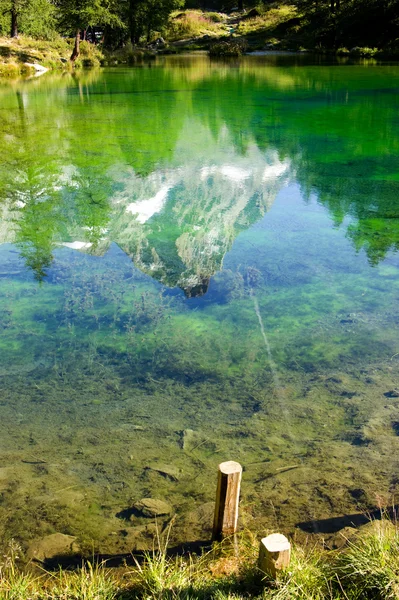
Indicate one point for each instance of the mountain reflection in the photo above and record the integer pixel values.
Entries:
(171, 163)
(177, 225)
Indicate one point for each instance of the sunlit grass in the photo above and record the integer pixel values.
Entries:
(25, 49)
(194, 23)
(90, 582)
(369, 566)
(14, 583)
(267, 20)
(366, 568)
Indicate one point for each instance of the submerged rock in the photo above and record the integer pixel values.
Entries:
(185, 436)
(51, 546)
(136, 539)
(151, 507)
(392, 394)
(197, 524)
(359, 494)
(202, 516)
(341, 538)
(358, 439)
(190, 439)
(167, 471)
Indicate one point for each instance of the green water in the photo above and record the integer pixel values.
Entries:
(197, 264)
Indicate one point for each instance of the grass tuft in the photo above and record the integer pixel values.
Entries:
(15, 584)
(90, 55)
(367, 568)
(90, 582)
(305, 578)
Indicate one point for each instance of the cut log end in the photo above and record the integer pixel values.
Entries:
(276, 542)
(229, 467)
(274, 554)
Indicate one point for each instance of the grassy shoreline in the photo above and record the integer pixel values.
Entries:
(17, 56)
(366, 566)
(277, 27)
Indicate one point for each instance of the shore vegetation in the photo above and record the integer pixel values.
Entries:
(366, 567)
(353, 27)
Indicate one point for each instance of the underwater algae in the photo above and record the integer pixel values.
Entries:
(136, 275)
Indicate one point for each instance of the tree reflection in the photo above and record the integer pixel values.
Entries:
(83, 156)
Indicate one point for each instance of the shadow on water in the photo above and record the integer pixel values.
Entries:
(322, 526)
(335, 524)
(120, 560)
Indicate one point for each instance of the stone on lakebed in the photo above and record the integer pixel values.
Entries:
(167, 471)
(151, 507)
(51, 546)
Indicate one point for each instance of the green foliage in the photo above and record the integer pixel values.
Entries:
(227, 48)
(4, 23)
(33, 17)
(90, 55)
(14, 583)
(306, 577)
(368, 52)
(366, 24)
(147, 16)
(90, 582)
(38, 20)
(160, 576)
(17, 51)
(14, 70)
(214, 17)
(80, 14)
(127, 54)
(363, 26)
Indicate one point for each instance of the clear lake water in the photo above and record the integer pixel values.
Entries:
(198, 263)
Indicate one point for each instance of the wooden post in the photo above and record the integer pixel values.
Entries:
(227, 497)
(274, 554)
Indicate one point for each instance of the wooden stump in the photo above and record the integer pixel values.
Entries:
(274, 554)
(227, 498)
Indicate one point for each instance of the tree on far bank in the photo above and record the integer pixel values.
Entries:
(33, 17)
(147, 16)
(78, 15)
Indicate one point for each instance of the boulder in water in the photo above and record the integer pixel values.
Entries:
(51, 546)
(152, 507)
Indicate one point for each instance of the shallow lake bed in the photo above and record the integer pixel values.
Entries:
(198, 263)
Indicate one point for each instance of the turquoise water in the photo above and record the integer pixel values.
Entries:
(197, 264)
